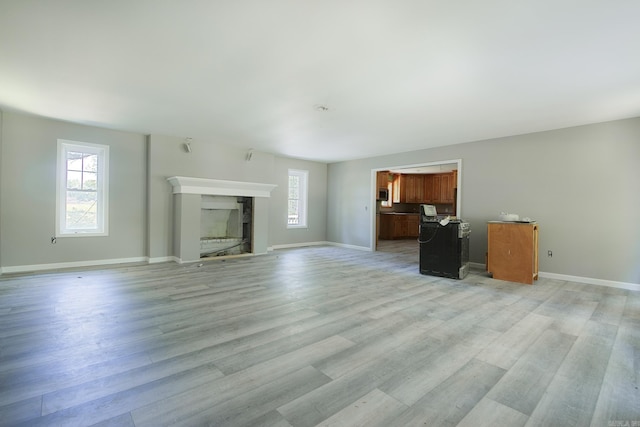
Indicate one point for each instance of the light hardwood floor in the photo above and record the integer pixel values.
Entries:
(314, 336)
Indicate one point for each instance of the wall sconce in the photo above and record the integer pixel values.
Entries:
(187, 145)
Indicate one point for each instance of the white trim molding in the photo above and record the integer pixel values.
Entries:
(219, 187)
(591, 281)
(320, 243)
(75, 264)
(576, 279)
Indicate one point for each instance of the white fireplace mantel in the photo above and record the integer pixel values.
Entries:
(219, 187)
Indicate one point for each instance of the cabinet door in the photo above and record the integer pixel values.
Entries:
(402, 189)
(382, 179)
(427, 189)
(386, 227)
(399, 226)
(415, 189)
(413, 226)
(512, 250)
(446, 188)
(437, 183)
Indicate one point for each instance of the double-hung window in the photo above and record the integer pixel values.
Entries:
(82, 189)
(298, 188)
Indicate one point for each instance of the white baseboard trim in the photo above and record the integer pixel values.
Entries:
(591, 281)
(343, 245)
(323, 243)
(578, 279)
(477, 266)
(75, 264)
(296, 245)
(160, 259)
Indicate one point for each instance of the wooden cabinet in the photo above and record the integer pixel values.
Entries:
(413, 225)
(399, 226)
(446, 188)
(439, 188)
(412, 189)
(430, 188)
(513, 251)
(382, 179)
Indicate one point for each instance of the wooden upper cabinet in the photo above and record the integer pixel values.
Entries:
(439, 188)
(429, 188)
(382, 179)
(411, 188)
(446, 188)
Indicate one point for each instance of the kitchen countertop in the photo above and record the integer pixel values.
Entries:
(399, 213)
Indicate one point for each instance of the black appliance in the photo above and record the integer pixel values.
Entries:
(444, 247)
(383, 195)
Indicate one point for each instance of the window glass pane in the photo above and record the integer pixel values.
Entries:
(74, 161)
(74, 180)
(293, 217)
(89, 181)
(90, 163)
(294, 187)
(81, 210)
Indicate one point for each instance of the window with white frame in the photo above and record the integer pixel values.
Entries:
(298, 188)
(82, 189)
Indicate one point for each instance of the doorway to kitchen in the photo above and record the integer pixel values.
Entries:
(398, 192)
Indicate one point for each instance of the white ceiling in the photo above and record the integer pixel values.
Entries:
(395, 75)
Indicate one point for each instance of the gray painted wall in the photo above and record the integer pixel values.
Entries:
(28, 192)
(317, 204)
(1, 134)
(581, 184)
(140, 204)
(221, 161)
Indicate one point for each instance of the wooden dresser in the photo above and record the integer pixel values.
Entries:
(513, 251)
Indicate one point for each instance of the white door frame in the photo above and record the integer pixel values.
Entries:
(374, 192)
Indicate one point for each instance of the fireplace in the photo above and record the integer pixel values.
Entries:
(225, 225)
(213, 218)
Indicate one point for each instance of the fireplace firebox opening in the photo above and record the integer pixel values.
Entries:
(225, 225)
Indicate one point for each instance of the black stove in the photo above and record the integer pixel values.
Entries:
(444, 247)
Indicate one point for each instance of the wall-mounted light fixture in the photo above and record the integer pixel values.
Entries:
(187, 145)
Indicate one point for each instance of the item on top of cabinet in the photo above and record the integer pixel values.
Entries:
(509, 217)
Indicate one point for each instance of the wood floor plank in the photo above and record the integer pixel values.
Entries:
(265, 398)
(524, 384)
(412, 386)
(449, 402)
(506, 350)
(619, 398)
(199, 399)
(373, 409)
(574, 391)
(489, 413)
(305, 336)
(20, 411)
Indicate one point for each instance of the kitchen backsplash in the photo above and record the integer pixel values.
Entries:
(442, 209)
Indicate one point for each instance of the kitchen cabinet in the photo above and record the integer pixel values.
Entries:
(439, 188)
(382, 179)
(413, 225)
(513, 251)
(412, 189)
(426, 188)
(399, 226)
(446, 188)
